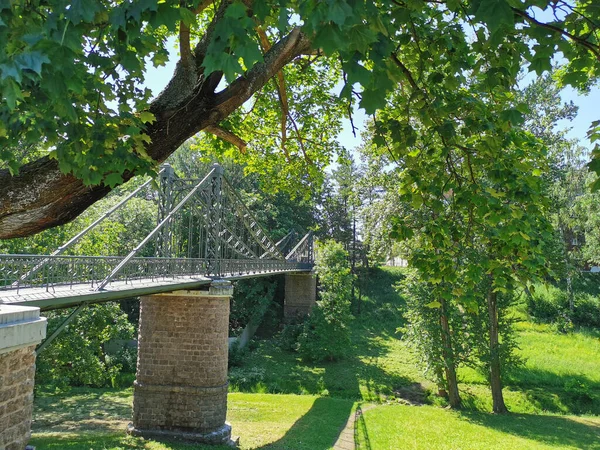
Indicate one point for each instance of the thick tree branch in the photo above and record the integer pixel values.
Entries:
(227, 136)
(41, 197)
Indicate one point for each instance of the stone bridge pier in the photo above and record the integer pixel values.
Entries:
(300, 294)
(180, 390)
(21, 329)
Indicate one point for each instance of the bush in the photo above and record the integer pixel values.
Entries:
(551, 304)
(77, 357)
(326, 335)
(252, 301)
(586, 310)
(289, 335)
(236, 354)
(546, 303)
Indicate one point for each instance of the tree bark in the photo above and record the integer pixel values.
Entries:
(449, 360)
(41, 197)
(498, 406)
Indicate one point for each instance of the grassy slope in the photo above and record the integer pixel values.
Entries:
(562, 375)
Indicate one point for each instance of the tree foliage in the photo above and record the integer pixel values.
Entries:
(326, 335)
(71, 79)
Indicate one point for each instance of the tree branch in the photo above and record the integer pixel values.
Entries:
(42, 197)
(591, 47)
(280, 84)
(227, 136)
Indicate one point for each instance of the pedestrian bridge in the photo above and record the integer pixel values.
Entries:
(204, 231)
(204, 237)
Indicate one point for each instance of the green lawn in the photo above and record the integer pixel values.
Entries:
(429, 427)
(560, 378)
(85, 419)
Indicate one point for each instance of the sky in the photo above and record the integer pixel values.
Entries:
(589, 106)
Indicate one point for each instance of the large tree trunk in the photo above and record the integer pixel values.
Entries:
(449, 360)
(41, 197)
(495, 370)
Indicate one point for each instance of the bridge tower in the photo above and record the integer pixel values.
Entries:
(181, 384)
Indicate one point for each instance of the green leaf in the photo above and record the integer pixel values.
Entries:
(82, 10)
(495, 14)
(32, 61)
(188, 17)
(10, 70)
(147, 117)
(113, 179)
(236, 10)
(339, 11)
(512, 115)
(12, 93)
(433, 304)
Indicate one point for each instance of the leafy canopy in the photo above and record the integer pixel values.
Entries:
(70, 72)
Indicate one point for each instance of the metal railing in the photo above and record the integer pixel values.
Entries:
(89, 271)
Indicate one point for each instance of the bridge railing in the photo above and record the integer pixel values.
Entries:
(82, 271)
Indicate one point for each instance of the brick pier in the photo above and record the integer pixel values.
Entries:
(180, 390)
(21, 329)
(300, 294)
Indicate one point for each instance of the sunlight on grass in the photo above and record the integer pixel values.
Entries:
(427, 427)
(261, 421)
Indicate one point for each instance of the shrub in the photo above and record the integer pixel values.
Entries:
(236, 354)
(551, 304)
(252, 301)
(77, 357)
(326, 335)
(546, 303)
(586, 311)
(289, 335)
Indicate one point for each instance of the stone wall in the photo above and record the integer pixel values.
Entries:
(21, 329)
(300, 294)
(181, 382)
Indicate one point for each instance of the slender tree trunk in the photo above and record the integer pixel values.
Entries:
(499, 407)
(449, 361)
(353, 260)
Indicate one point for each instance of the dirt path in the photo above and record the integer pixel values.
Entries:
(345, 440)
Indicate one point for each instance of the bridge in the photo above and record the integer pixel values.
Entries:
(204, 232)
(205, 237)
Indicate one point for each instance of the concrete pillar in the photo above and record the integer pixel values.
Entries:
(21, 329)
(180, 390)
(300, 294)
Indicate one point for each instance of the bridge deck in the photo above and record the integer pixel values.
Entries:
(64, 296)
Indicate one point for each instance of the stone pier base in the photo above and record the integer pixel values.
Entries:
(180, 390)
(300, 294)
(21, 329)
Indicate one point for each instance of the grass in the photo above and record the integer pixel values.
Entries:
(72, 421)
(428, 427)
(281, 402)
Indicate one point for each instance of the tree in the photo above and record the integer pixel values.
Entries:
(71, 78)
(326, 334)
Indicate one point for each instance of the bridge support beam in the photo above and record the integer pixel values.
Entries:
(180, 390)
(21, 329)
(300, 294)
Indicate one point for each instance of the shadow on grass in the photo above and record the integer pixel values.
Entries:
(319, 428)
(87, 441)
(556, 393)
(101, 410)
(550, 430)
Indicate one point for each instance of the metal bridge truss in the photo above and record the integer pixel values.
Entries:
(203, 229)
